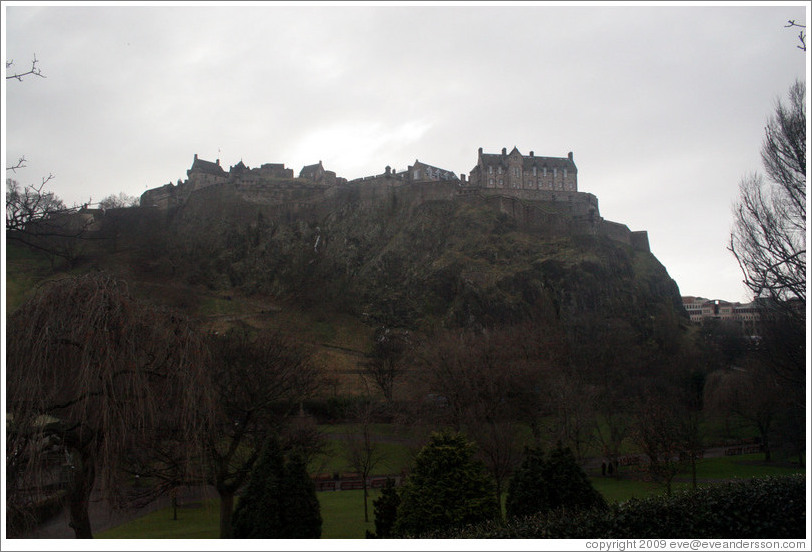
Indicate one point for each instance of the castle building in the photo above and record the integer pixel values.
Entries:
(205, 173)
(514, 171)
(422, 172)
(317, 174)
(274, 170)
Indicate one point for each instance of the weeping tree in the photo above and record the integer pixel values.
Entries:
(94, 375)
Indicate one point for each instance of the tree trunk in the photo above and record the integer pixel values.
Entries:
(226, 513)
(766, 443)
(84, 475)
(366, 513)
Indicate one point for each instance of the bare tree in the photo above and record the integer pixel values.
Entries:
(386, 364)
(769, 232)
(662, 434)
(40, 220)
(753, 394)
(363, 452)
(488, 383)
(94, 373)
(573, 400)
(769, 240)
(118, 201)
(259, 381)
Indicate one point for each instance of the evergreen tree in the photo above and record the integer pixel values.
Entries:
(301, 513)
(446, 488)
(386, 510)
(259, 512)
(280, 500)
(546, 483)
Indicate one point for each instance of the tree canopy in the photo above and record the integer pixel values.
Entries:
(446, 488)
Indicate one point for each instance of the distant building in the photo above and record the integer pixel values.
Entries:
(514, 171)
(422, 172)
(205, 173)
(274, 170)
(746, 315)
(317, 174)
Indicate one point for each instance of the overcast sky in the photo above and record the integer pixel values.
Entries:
(663, 106)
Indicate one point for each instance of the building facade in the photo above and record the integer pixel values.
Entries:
(514, 171)
(746, 315)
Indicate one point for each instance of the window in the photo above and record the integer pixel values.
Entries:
(500, 183)
(500, 170)
(490, 170)
(515, 171)
(565, 173)
(490, 182)
(534, 171)
(545, 171)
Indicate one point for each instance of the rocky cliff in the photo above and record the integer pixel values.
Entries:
(439, 259)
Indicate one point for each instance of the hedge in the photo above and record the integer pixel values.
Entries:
(758, 508)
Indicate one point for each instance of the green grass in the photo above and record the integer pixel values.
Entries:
(25, 269)
(343, 511)
(741, 467)
(394, 457)
(201, 522)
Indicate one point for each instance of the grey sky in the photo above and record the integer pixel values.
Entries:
(663, 106)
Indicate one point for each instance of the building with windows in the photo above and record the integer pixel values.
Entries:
(745, 315)
(514, 171)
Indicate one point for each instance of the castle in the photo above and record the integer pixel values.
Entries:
(538, 192)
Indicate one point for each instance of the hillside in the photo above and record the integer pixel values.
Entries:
(338, 270)
(439, 262)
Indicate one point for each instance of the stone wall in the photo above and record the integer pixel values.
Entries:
(548, 211)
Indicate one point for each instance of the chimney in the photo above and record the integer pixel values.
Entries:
(218, 162)
(570, 155)
(531, 154)
(504, 151)
(463, 177)
(480, 151)
(195, 157)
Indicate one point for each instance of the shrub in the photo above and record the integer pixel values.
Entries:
(758, 508)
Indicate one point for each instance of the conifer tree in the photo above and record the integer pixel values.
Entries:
(300, 512)
(259, 512)
(546, 483)
(447, 488)
(386, 510)
(280, 500)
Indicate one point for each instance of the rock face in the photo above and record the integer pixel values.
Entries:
(420, 256)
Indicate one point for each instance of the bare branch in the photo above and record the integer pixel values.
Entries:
(801, 35)
(20, 164)
(35, 71)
